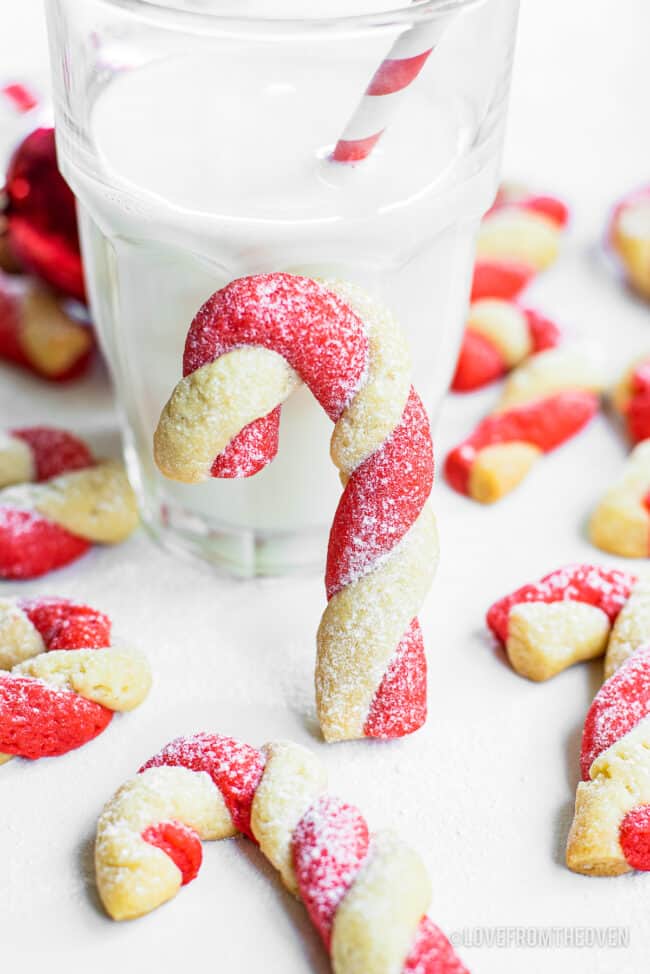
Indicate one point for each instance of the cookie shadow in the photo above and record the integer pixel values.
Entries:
(86, 864)
(313, 950)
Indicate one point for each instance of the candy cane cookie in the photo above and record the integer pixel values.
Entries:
(38, 334)
(545, 402)
(629, 238)
(620, 523)
(519, 236)
(499, 335)
(565, 617)
(60, 501)
(366, 894)
(610, 832)
(246, 350)
(64, 680)
(41, 215)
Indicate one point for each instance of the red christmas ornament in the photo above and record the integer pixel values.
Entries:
(41, 216)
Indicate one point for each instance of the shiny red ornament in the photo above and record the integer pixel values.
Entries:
(41, 215)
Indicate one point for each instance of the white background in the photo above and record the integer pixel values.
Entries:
(485, 791)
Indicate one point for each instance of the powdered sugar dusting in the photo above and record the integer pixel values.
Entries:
(545, 423)
(235, 768)
(617, 708)
(329, 844)
(68, 625)
(400, 705)
(352, 356)
(382, 500)
(38, 720)
(606, 589)
(54, 451)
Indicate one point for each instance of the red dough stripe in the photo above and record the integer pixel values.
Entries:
(500, 279)
(638, 409)
(548, 206)
(607, 590)
(479, 362)
(180, 843)
(40, 721)
(617, 708)
(544, 333)
(67, 625)
(634, 836)
(545, 423)
(54, 451)
(41, 215)
(382, 499)
(235, 768)
(329, 845)
(36, 719)
(31, 546)
(399, 706)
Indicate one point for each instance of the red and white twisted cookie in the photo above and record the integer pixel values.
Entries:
(499, 335)
(629, 238)
(37, 333)
(620, 524)
(246, 350)
(564, 618)
(41, 216)
(545, 402)
(631, 399)
(366, 894)
(610, 833)
(60, 501)
(519, 237)
(65, 681)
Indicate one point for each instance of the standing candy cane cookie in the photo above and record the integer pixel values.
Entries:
(59, 502)
(610, 833)
(366, 894)
(519, 237)
(499, 335)
(246, 350)
(64, 681)
(620, 523)
(545, 402)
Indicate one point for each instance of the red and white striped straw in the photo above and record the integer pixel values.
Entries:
(395, 74)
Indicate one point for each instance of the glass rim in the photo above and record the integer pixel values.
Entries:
(407, 13)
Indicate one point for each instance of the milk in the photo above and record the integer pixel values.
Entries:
(208, 171)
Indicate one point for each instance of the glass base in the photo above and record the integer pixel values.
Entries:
(239, 552)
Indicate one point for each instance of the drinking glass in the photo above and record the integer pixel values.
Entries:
(199, 146)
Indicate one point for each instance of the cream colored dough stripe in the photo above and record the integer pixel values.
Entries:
(363, 625)
(375, 923)
(133, 876)
(292, 780)
(16, 460)
(19, 637)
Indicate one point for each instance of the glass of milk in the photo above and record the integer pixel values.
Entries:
(196, 135)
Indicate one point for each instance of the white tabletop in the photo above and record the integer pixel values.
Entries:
(485, 791)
